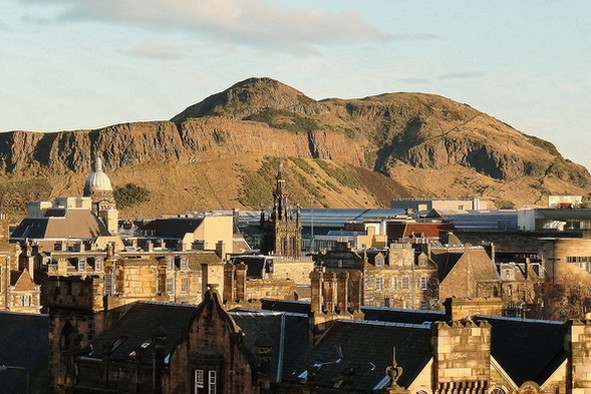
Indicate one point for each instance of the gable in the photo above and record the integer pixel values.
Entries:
(24, 282)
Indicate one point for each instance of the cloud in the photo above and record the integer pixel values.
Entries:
(150, 50)
(462, 75)
(255, 23)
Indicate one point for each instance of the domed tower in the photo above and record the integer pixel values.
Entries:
(98, 187)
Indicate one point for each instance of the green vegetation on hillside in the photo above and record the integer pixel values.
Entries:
(285, 120)
(257, 187)
(344, 176)
(130, 194)
(15, 195)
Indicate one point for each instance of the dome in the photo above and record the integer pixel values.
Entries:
(97, 181)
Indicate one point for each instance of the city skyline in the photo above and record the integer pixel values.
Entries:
(82, 64)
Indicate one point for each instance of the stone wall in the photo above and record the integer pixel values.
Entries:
(580, 357)
(296, 269)
(462, 356)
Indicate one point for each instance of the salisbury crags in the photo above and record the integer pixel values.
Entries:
(222, 153)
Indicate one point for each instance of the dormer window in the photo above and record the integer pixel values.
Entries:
(379, 260)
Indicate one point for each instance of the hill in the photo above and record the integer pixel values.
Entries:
(223, 153)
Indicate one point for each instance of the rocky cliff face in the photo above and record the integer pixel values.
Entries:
(392, 145)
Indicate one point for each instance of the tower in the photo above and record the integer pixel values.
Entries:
(281, 232)
(98, 188)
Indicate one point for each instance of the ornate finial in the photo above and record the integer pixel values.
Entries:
(394, 371)
(98, 165)
(281, 166)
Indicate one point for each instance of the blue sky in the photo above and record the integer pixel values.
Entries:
(69, 64)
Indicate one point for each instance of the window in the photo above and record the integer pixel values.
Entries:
(23, 300)
(405, 283)
(184, 263)
(170, 285)
(98, 265)
(184, 285)
(422, 260)
(379, 260)
(460, 207)
(109, 283)
(424, 283)
(424, 304)
(379, 284)
(394, 284)
(169, 263)
(507, 274)
(81, 264)
(199, 380)
(212, 382)
(497, 390)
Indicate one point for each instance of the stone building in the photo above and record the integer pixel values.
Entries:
(129, 276)
(281, 232)
(186, 232)
(18, 290)
(328, 345)
(395, 277)
(469, 272)
(561, 255)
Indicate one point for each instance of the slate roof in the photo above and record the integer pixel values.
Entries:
(137, 327)
(527, 349)
(445, 262)
(75, 223)
(286, 333)
(402, 315)
(255, 264)
(482, 267)
(285, 305)
(382, 314)
(171, 228)
(24, 343)
(345, 346)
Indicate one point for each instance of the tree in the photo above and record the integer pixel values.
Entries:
(567, 298)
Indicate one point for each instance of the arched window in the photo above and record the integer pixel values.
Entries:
(421, 392)
(497, 390)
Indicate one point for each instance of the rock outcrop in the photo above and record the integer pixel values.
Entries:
(412, 145)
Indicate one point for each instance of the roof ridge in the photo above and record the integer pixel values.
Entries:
(426, 325)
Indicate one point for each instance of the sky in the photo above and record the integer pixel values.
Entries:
(86, 64)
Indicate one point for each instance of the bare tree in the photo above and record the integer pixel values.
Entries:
(567, 298)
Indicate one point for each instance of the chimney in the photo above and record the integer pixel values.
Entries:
(316, 291)
(220, 249)
(342, 291)
(228, 294)
(527, 266)
(355, 292)
(241, 282)
(329, 293)
(492, 252)
(150, 246)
